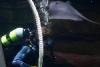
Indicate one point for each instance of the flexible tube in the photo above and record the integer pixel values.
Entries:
(39, 30)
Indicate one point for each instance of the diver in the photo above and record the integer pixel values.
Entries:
(29, 45)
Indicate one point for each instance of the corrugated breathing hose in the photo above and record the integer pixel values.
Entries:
(39, 30)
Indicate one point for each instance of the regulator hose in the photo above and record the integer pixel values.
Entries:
(39, 31)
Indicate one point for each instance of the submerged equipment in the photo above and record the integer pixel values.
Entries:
(18, 33)
(13, 36)
(39, 31)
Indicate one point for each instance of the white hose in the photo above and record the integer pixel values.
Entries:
(39, 30)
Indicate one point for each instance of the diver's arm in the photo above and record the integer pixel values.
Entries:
(18, 59)
(20, 63)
